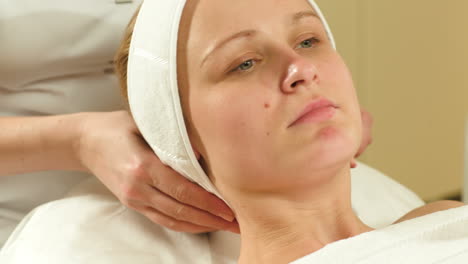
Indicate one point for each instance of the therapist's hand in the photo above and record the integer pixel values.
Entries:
(111, 148)
(367, 123)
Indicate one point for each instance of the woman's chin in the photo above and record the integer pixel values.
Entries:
(333, 147)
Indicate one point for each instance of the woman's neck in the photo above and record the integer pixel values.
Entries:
(283, 228)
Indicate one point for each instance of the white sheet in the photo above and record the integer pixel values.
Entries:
(90, 226)
(440, 237)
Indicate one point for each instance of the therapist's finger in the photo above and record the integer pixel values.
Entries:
(171, 223)
(179, 188)
(367, 123)
(183, 212)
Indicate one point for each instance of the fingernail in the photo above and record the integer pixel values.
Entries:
(234, 229)
(226, 217)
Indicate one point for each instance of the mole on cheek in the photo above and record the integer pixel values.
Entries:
(267, 105)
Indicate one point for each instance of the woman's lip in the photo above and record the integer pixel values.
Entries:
(318, 110)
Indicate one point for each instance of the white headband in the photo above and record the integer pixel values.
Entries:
(153, 90)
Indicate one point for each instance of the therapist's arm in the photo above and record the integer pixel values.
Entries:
(30, 144)
(109, 146)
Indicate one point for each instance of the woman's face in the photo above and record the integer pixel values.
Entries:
(247, 69)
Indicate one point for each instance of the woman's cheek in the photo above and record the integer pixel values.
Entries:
(217, 118)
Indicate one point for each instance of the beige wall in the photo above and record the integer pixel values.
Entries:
(410, 63)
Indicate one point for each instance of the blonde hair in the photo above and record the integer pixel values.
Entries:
(121, 58)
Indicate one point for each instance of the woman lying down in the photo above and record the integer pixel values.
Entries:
(270, 121)
(259, 108)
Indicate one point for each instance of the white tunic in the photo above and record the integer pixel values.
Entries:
(55, 58)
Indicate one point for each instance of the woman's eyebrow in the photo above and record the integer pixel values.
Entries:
(242, 34)
(295, 19)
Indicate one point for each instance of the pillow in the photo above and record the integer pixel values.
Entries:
(379, 200)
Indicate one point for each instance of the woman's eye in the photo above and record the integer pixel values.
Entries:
(244, 66)
(308, 43)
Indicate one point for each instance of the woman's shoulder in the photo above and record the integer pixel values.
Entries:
(429, 209)
(441, 226)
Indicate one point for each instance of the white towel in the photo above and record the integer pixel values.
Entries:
(153, 91)
(440, 237)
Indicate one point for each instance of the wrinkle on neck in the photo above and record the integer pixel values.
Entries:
(282, 228)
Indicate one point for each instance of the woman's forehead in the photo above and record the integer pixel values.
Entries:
(224, 15)
(211, 21)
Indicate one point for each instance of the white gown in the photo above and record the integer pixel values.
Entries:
(55, 58)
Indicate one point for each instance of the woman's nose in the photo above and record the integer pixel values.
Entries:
(300, 72)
